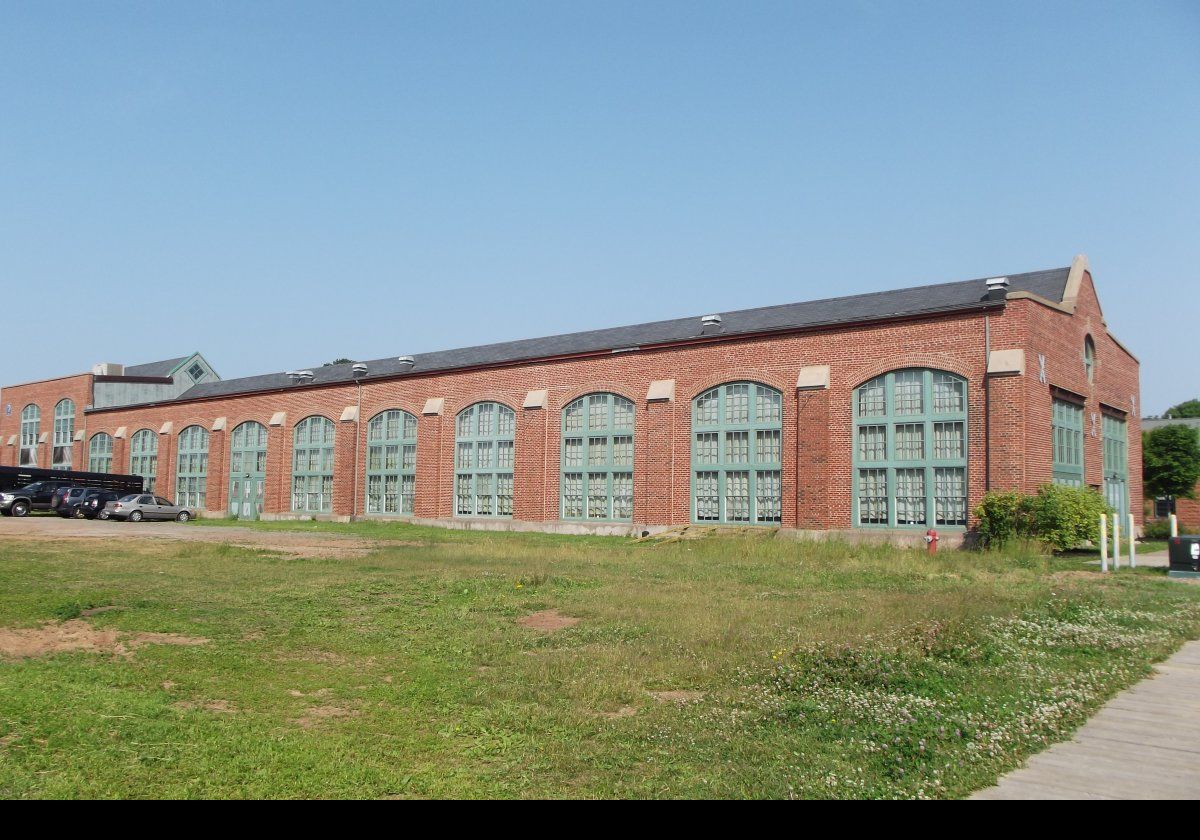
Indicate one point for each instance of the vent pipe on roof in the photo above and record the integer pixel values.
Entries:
(359, 370)
(406, 362)
(300, 377)
(997, 288)
(710, 322)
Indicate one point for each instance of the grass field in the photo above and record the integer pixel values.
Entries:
(744, 667)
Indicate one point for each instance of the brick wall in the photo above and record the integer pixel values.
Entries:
(46, 395)
(816, 433)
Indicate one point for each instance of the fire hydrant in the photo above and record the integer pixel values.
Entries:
(931, 539)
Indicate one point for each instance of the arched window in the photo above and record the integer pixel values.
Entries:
(1089, 358)
(483, 460)
(31, 430)
(910, 450)
(737, 434)
(247, 470)
(597, 458)
(100, 453)
(191, 476)
(312, 466)
(64, 432)
(391, 462)
(143, 457)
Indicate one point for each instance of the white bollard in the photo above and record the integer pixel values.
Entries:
(1103, 542)
(1116, 541)
(1174, 525)
(1132, 543)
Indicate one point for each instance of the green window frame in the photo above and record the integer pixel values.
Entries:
(31, 430)
(1067, 443)
(191, 474)
(143, 457)
(484, 460)
(737, 455)
(62, 450)
(1089, 358)
(312, 465)
(391, 463)
(247, 469)
(1116, 463)
(597, 458)
(100, 453)
(910, 450)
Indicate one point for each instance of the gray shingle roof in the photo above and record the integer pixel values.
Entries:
(162, 368)
(942, 297)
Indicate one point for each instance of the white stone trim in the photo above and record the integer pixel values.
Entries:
(120, 433)
(434, 406)
(167, 428)
(350, 414)
(278, 418)
(1002, 362)
(661, 390)
(536, 399)
(813, 378)
(220, 424)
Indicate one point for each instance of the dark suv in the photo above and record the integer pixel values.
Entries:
(34, 496)
(88, 506)
(65, 495)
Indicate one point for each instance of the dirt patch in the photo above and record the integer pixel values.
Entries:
(678, 697)
(76, 635)
(320, 714)
(623, 712)
(222, 707)
(548, 621)
(320, 692)
(296, 544)
(98, 610)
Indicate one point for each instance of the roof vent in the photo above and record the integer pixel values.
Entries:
(710, 321)
(300, 377)
(997, 288)
(406, 361)
(359, 370)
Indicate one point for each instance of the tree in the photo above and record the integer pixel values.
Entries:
(1171, 460)
(1191, 408)
(337, 362)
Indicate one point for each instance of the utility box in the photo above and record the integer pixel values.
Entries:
(1184, 554)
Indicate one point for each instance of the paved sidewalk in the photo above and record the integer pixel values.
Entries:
(1144, 744)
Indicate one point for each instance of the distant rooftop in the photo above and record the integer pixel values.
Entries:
(963, 295)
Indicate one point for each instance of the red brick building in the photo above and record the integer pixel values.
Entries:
(883, 413)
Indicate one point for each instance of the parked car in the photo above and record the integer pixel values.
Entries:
(63, 495)
(138, 506)
(35, 496)
(88, 506)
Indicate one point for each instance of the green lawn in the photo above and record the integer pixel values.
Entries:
(810, 670)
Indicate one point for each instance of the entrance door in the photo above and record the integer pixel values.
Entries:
(247, 470)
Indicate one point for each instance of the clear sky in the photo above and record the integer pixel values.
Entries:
(280, 184)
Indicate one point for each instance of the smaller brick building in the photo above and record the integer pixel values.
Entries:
(885, 413)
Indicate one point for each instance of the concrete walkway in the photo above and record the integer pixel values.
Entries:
(1144, 744)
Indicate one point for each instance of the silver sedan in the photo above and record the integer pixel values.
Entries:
(138, 506)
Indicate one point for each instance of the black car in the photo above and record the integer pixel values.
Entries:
(63, 495)
(35, 496)
(94, 503)
(88, 506)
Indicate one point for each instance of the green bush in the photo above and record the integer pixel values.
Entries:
(1061, 517)
(1158, 530)
(1001, 518)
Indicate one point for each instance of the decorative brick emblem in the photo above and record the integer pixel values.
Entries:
(1042, 368)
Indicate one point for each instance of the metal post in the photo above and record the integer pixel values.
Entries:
(1132, 544)
(1174, 525)
(1103, 542)
(1116, 541)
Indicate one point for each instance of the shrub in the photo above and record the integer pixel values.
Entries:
(1000, 518)
(1159, 530)
(1061, 517)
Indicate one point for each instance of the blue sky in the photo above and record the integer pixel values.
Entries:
(279, 184)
